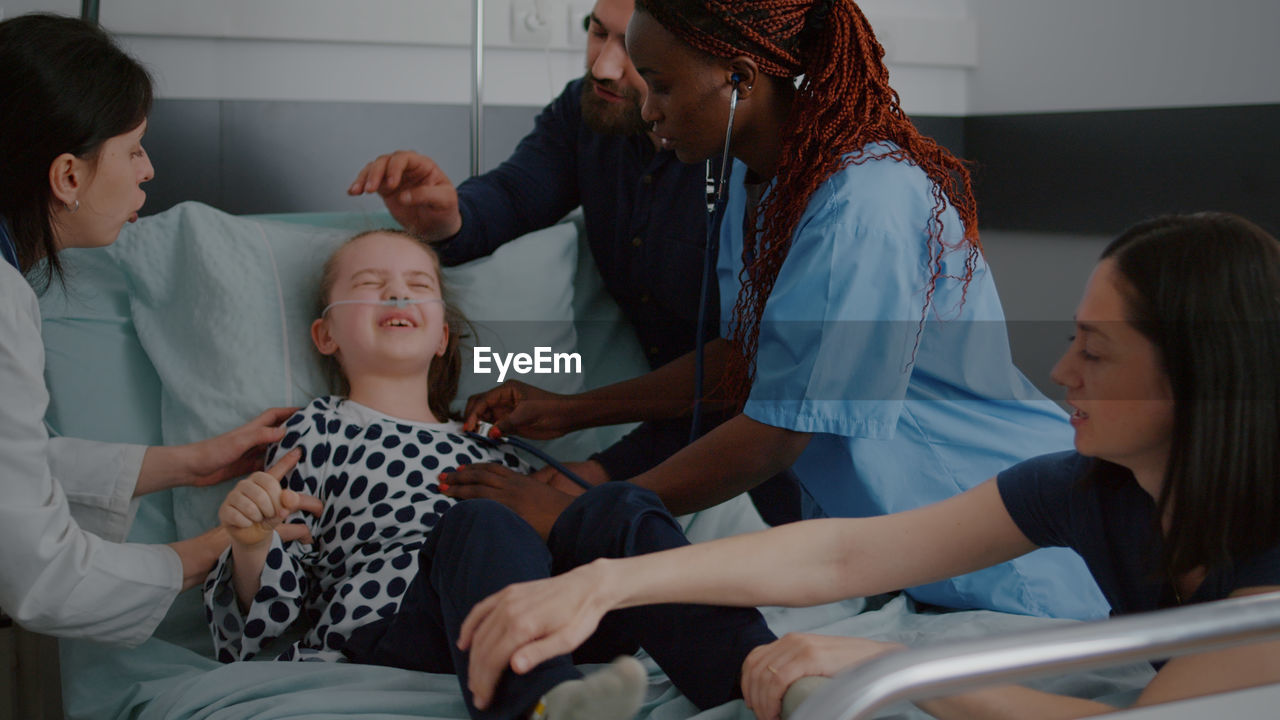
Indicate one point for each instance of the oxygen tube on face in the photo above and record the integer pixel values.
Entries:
(390, 302)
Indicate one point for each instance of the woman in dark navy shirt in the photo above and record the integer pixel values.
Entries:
(1171, 495)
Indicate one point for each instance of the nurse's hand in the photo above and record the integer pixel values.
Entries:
(770, 669)
(517, 408)
(416, 191)
(591, 472)
(259, 504)
(538, 503)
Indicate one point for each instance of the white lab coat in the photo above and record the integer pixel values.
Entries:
(56, 575)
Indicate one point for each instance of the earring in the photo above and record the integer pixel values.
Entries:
(73, 208)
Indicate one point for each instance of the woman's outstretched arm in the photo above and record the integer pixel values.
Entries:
(806, 563)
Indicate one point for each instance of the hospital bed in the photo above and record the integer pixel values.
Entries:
(195, 320)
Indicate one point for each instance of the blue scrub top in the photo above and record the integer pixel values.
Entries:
(903, 413)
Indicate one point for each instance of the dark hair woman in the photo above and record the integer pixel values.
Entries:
(1170, 495)
(74, 108)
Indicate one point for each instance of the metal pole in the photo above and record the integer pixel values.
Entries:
(477, 89)
(89, 10)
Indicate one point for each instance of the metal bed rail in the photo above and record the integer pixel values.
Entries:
(948, 669)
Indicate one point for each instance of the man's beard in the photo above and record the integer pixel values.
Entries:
(608, 118)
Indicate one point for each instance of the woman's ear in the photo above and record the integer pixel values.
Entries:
(324, 342)
(745, 72)
(444, 341)
(66, 178)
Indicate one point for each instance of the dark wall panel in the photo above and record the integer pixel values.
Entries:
(280, 156)
(249, 156)
(1098, 172)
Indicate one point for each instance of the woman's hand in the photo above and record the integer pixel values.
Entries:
(536, 502)
(259, 503)
(215, 460)
(517, 408)
(198, 554)
(770, 669)
(416, 191)
(527, 623)
(235, 453)
(590, 471)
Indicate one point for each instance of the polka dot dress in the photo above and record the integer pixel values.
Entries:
(377, 479)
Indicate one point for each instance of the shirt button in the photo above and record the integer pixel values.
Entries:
(644, 298)
(647, 179)
(653, 350)
(637, 241)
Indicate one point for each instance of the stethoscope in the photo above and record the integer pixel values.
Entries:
(481, 435)
(715, 208)
(482, 428)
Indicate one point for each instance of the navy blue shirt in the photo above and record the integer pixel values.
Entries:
(646, 223)
(1112, 525)
(8, 251)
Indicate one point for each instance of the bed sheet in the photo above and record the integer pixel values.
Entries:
(172, 683)
(168, 677)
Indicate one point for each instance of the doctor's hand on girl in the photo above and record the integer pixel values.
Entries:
(205, 463)
(215, 460)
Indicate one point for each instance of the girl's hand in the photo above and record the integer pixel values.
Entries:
(259, 503)
(234, 453)
(527, 623)
(517, 408)
(770, 669)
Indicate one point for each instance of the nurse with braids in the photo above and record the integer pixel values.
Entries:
(864, 339)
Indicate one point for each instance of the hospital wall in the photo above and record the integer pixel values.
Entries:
(1086, 116)
(1079, 117)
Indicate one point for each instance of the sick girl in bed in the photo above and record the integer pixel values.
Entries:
(370, 453)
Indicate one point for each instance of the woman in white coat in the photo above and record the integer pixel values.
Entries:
(73, 108)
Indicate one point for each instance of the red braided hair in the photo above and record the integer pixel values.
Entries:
(843, 104)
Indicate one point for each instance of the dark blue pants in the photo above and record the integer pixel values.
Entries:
(480, 547)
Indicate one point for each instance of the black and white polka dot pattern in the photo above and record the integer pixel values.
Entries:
(377, 478)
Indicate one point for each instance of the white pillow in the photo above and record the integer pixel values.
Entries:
(223, 304)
